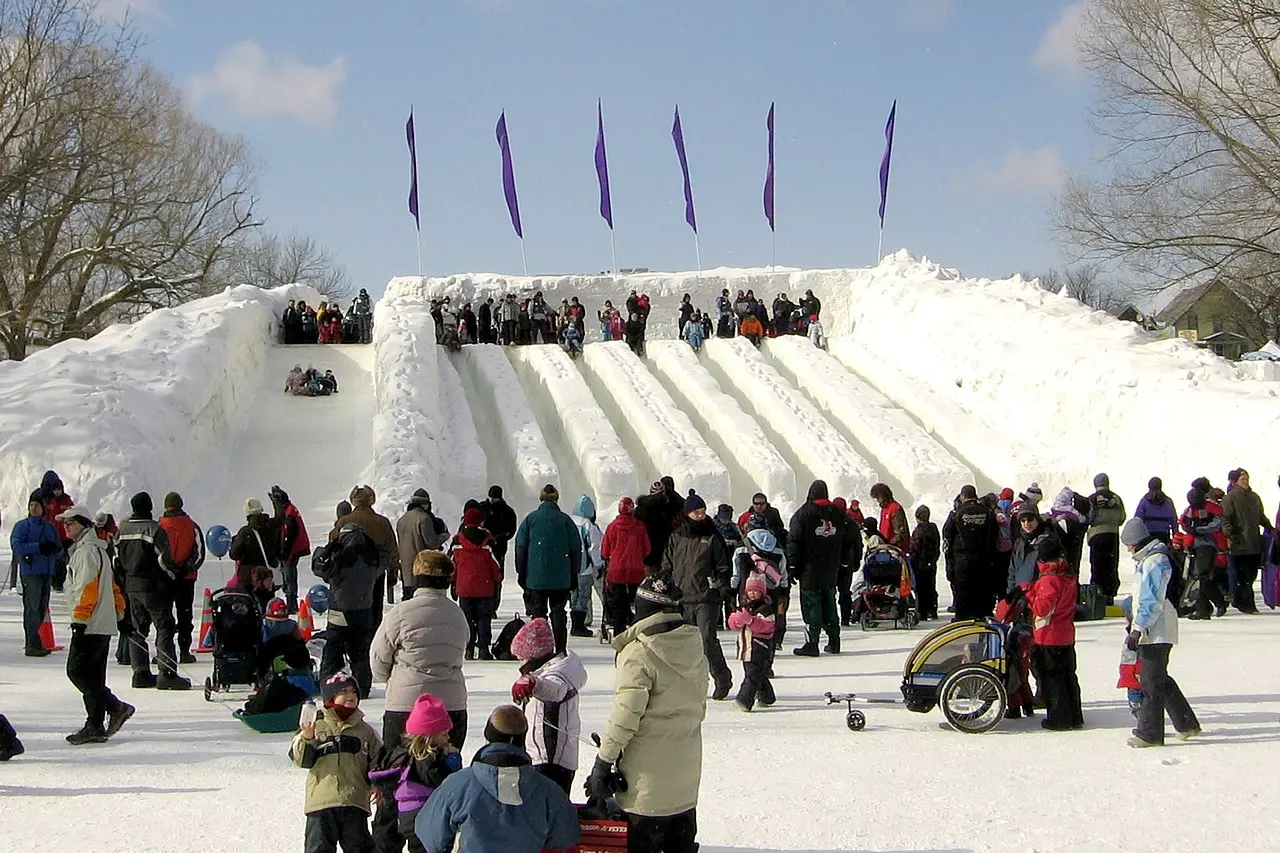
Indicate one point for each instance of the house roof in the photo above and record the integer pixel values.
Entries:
(1183, 302)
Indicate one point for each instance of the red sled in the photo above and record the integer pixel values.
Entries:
(600, 835)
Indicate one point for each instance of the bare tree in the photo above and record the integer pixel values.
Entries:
(271, 260)
(1050, 280)
(1190, 101)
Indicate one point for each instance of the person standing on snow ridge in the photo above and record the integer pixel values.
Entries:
(97, 607)
(698, 561)
(417, 530)
(658, 512)
(294, 544)
(364, 316)
(819, 542)
(590, 570)
(186, 550)
(1242, 515)
(35, 546)
(548, 561)
(142, 550)
(1106, 514)
(686, 314)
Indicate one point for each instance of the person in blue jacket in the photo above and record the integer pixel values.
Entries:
(36, 546)
(500, 804)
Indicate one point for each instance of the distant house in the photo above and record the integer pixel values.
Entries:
(1212, 316)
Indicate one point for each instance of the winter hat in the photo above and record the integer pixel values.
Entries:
(335, 684)
(1030, 509)
(549, 493)
(1006, 494)
(363, 497)
(757, 521)
(420, 497)
(922, 513)
(473, 518)
(1034, 494)
(1134, 532)
(252, 507)
(141, 504)
(343, 509)
(1155, 484)
(432, 564)
(755, 581)
(840, 504)
(668, 484)
(428, 717)
(694, 502)
(870, 527)
(37, 497)
(277, 610)
(724, 511)
(626, 506)
(659, 589)
(1202, 484)
(1101, 481)
(495, 492)
(534, 640)
(656, 488)
(173, 500)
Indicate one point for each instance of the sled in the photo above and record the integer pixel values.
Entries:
(278, 722)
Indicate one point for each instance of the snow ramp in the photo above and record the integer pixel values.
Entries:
(661, 438)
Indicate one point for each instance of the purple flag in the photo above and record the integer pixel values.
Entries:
(509, 175)
(413, 170)
(884, 162)
(768, 176)
(602, 167)
(678, 135)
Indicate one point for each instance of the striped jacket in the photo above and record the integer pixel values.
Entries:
(142, 553)
(96, 601)
(554, 721)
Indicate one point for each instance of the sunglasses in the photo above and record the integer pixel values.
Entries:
(759, 503)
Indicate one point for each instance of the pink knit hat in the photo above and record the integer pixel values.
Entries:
(428, 717)
(534, 640)
(756, 582)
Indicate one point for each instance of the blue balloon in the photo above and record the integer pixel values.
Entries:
(218, 539)
(318, 596)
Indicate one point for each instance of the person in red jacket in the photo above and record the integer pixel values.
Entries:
(186, 549)
(294, 545)
(477, 576)
(623, 550)
(1053, 608)
(893, 518)
(56, 501)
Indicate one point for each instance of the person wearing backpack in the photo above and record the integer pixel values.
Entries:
(350, 565)
(186, 549)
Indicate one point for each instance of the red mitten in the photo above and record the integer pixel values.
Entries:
(522, 690)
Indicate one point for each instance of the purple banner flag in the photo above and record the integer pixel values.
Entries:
(768, 176)
(884, 162)
(602, 168)
(509, 175)
(678, 135)
(413, 170)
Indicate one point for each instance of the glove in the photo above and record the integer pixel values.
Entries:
(522, 690)
(1131, 641)
(48, 549)
(602, 783)
(1015, 595)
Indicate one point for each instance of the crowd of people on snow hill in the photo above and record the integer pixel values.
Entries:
(302, 324)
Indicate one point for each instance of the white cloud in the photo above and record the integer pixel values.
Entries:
(115, 11)
(256, 85)
(1039, 170)
(1059, 50)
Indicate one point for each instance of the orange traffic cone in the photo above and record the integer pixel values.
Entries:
(206, 623)
(46, 634)
(306, 625)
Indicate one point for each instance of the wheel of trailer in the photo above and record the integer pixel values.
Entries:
(973, 699)
(856, 720)
(208, 690)
(866, 621)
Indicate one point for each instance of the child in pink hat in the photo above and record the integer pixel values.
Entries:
(755, 623)
(412, 770)
(548, 687)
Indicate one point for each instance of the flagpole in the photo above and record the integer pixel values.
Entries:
(419, 254)
(523, 260)
(880, 247)
(773, 237)
(697, 251)
(613, 252)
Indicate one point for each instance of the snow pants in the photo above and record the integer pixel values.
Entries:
(289, 582)
(346, 825)
(619, 598)
(1059, 686)
(1212, 581)
(1104, 564)
(755, 675)
(35, 601)
(349, 642)
(550, 605)
(184, 597)
(1160, 693)
(818, 608)
(844, 594)
(479, 615)
(705, 616)
(87, 672)
(1247, 566)
(153, 607)
(675, 833)
(926, 589)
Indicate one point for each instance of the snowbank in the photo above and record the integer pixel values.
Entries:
(918, 467)
(137, 407)
(517, 450)
(753, 461)
(466, 470)
(817, 449)
(580, 434)
(408, 425)
(648, 419)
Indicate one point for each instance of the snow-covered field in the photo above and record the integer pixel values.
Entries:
(930, 375)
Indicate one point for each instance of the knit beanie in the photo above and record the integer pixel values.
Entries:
(1006, 494)
(428, 717)
(694, 502)
(473, 518)
(253, 506)
(336, 683)
(626, 506)
(141, 504)
(495, 492)
(660, 590)
(173, 500)
(1034, 494)
(534, 640)
(756, 582)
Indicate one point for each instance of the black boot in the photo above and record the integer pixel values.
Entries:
(833, 646)
(579, 627)
(808, 650)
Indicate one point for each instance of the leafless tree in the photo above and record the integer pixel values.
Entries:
(1050, 280)
(270, 260)
(1190, 101)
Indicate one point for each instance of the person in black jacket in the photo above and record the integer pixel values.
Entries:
(926, 548)
(698, 561)
(484, 317)
(142, 552)
(971, 535)
(501, 522)
(658, 512)
(352, 565)
(819, 542)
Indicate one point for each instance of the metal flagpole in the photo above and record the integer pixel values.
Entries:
(697, 250)
(523, 260)
(880, 247)
(419, 254)
(773, 236)
(613, 252)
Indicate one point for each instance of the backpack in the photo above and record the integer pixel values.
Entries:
(502, 646)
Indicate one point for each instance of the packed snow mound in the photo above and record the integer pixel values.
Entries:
(137, 407)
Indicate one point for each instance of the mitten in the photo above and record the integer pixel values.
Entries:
(1131, 642)
(522, 690)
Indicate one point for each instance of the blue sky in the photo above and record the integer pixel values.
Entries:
(992, 110)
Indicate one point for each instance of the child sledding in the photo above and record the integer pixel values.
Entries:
(310, 382)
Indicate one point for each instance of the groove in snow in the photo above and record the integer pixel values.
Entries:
(465, 471)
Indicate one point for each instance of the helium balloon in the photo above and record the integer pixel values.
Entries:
(318, 596)
(218, 539)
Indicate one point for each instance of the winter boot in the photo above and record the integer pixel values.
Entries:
(187, 657)
(471, 653)
(484, 653)
(808, 650)
(722, 688)
(579, 624)
(9, 743)
(833, 646)
(119, 717)
(87, 735)
(143, 680)
(172, 681)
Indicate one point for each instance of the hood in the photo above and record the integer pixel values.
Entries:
(700, 528)
(584, 508)
(817, 491)
(763, 541)
(475, 535)
(680, 647)
(1157, 498)
(1155, 546)
(1064, 505)
(416, 502)
(51, 481)
(500, 769)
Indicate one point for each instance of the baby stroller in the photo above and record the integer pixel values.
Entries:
(883, 590)
(237, 641)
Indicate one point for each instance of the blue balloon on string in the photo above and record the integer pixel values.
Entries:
(218, 540)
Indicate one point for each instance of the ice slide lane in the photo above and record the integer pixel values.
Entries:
(590, 455)
(817, 449)
(516, 449)
(465, 470)
(753, 461)
(659, 436)
(918, 467)
(315, 448)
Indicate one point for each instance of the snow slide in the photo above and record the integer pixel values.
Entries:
(753, 461)
(817, 449)
(465, 473)
(918, 467)
(660, 436)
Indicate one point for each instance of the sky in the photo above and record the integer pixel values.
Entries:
(992, 114)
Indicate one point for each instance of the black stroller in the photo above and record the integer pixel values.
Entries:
(237, 641)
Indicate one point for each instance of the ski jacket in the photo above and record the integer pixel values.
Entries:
(658, 512)
(1026, 554)
(893, 526)
(349, 564)
(418, 530)
(1204, 528)
(548, 550)
(1242, 515)
(142, 551)
(419, 648)
(262, 549)
(95, 597)
(338, 761)
(1154, 614)
(820, 541)
(499, 519)
(378, 528)
(476, 573)
(186, 542)
(1106, 513)
(624, 549)
(1157, 512)
(554, 721)
(654, 731)
(295, 543)
(698, 561)
(693, 334)
(25, 541)
(1053, 599)
(970, 532)
(926, 545)
(584, 516)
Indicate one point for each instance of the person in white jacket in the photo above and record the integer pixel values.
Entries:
(1153, 634)
(548, 687)
(591, 569)
(97, 606)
